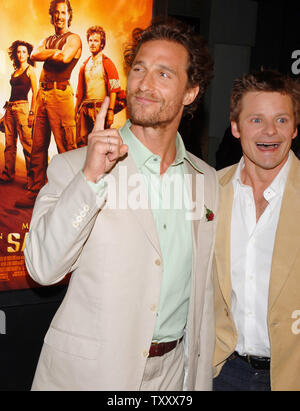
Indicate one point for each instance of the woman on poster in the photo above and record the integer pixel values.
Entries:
(18, 118)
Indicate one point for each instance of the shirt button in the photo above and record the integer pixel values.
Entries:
(153, 307)
(164, 226)
(157, 262)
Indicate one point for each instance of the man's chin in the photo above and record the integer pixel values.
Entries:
(140, 118)
(138, 122)
(145, 122)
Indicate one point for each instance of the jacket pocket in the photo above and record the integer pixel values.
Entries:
(78, 346)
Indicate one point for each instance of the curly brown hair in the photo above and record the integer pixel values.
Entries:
(12, 52)
(268, 81)
(53, 6)
(98, 30)
(200, 65)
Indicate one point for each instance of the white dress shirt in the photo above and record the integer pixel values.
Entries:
(252, 246)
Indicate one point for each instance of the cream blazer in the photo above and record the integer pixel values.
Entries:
(284, 291)
(100, 336)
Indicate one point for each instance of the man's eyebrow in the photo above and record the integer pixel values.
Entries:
(257, 114)
(167, 68)
(160, 66)
(137, 62)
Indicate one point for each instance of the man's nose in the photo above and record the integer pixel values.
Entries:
(146, 82)
(270, 128)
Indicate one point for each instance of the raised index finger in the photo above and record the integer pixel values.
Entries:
(100, 119)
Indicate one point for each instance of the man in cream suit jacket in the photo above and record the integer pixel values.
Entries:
(138, 313)
(257, 247)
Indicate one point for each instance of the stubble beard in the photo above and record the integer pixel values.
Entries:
(160, 118)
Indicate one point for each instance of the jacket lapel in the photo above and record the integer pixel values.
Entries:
(143, 215)
(222, 248)
(192, 172)
(287, 236)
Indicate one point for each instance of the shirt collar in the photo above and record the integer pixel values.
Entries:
(141, 154)
(278, 184)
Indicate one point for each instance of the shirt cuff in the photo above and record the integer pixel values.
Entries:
(98, 187)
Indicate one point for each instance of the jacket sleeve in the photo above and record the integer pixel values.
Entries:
(63, 217)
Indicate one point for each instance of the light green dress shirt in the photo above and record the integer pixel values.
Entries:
(169, 203)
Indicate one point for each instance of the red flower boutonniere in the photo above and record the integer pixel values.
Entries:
(209, 214)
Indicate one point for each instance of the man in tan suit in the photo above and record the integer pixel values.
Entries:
(257, 252)
(138, 313)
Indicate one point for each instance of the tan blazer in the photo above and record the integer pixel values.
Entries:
(284, 291)
(100, 337)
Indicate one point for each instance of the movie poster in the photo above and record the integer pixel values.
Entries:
(30, 22)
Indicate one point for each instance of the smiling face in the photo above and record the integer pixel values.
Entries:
(266, 128)
(61, 17)
(22, 54)
(157, 84)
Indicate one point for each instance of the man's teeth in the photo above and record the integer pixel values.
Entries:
(267, 145)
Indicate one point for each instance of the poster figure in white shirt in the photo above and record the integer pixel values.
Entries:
(257, 258)
(98, 78)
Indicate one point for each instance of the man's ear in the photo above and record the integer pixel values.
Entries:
(190, 95)
(295, 133)
(235, 129)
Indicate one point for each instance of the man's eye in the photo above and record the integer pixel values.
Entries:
(256, 120)
(282, 120)
(164, 75)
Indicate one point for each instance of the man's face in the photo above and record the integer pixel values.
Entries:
(157, 84)
(61, 16)
(94, 43)
(266, 128)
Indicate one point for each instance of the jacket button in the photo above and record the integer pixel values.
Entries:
(157, 262)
